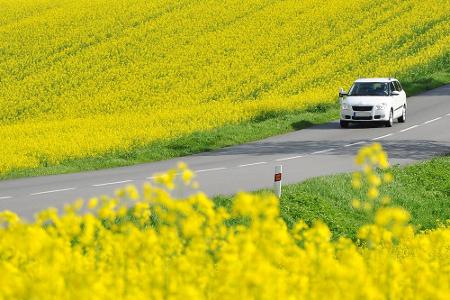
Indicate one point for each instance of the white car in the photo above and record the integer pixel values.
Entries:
(373, 100)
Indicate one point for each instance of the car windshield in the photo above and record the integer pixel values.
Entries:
(369, 89)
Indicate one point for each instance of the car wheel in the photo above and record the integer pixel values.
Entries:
(391, 119)
(402, 118)
(344, 124)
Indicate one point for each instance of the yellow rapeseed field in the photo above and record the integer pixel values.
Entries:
(81, 78)
(165, 248)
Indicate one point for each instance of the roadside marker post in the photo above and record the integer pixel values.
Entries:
(277, 181)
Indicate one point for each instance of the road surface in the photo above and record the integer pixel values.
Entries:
(319, 150)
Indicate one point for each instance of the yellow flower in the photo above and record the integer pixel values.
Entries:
(187, 176)
(123, 210)
(377, 148)
(356, 180)
(372, 193)
(182, 166)
(367, 169)
(356, 203)
(132, 192)
(356, 184)
(89, 78)
(200, 246)
(374, 180)
(78, 204)
(120, 96)
(387, 177)
(93, 202)
(383, 161)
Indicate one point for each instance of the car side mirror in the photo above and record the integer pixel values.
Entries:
(342, 93)
(395, 93)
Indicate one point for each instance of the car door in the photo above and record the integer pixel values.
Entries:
(402, 92)
(397, 102)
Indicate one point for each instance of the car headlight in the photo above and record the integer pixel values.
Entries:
(381, 106)
(345, 105)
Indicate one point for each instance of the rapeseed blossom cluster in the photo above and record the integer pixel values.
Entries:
(144, 244)
(390, 223)
(81, 79)
(373, 161)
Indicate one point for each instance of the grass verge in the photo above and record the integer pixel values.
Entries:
(263, 126)
(423, 189)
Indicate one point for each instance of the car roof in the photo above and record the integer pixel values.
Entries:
(375, 79)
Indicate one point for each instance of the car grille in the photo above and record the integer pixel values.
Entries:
(362, 118)
(362, 108)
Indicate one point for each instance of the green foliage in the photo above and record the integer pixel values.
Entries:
(422, 189)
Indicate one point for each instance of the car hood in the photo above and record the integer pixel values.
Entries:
(366, 100)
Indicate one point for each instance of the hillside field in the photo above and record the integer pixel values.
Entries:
(94, 78)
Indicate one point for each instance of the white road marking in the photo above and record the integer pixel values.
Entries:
(323, 151)
(383, 136)
(253, 164)
(409, 128)
(428, 122)
(52, 191)
(288, 158)
(5, 197)
(353, 144)
(112, 183)
(448, 114)
(209, 170)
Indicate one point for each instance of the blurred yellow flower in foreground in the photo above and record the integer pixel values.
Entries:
(149, 245)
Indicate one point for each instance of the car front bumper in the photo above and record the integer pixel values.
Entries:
(364, 116)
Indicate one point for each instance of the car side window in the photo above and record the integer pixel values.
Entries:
(399, 86)
(396, 86)
(392, 87)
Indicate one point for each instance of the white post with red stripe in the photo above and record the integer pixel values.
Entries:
(277, 181)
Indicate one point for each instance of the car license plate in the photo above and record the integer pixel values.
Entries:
(362, 113)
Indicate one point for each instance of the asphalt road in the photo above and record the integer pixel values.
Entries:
(319, 150)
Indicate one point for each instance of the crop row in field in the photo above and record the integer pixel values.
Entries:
(79, 79)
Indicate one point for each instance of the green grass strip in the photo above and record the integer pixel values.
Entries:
(423, 189)
(265, 125)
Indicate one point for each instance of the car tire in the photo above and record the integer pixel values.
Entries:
(402, 118)
(390, 122)
(344, 124)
